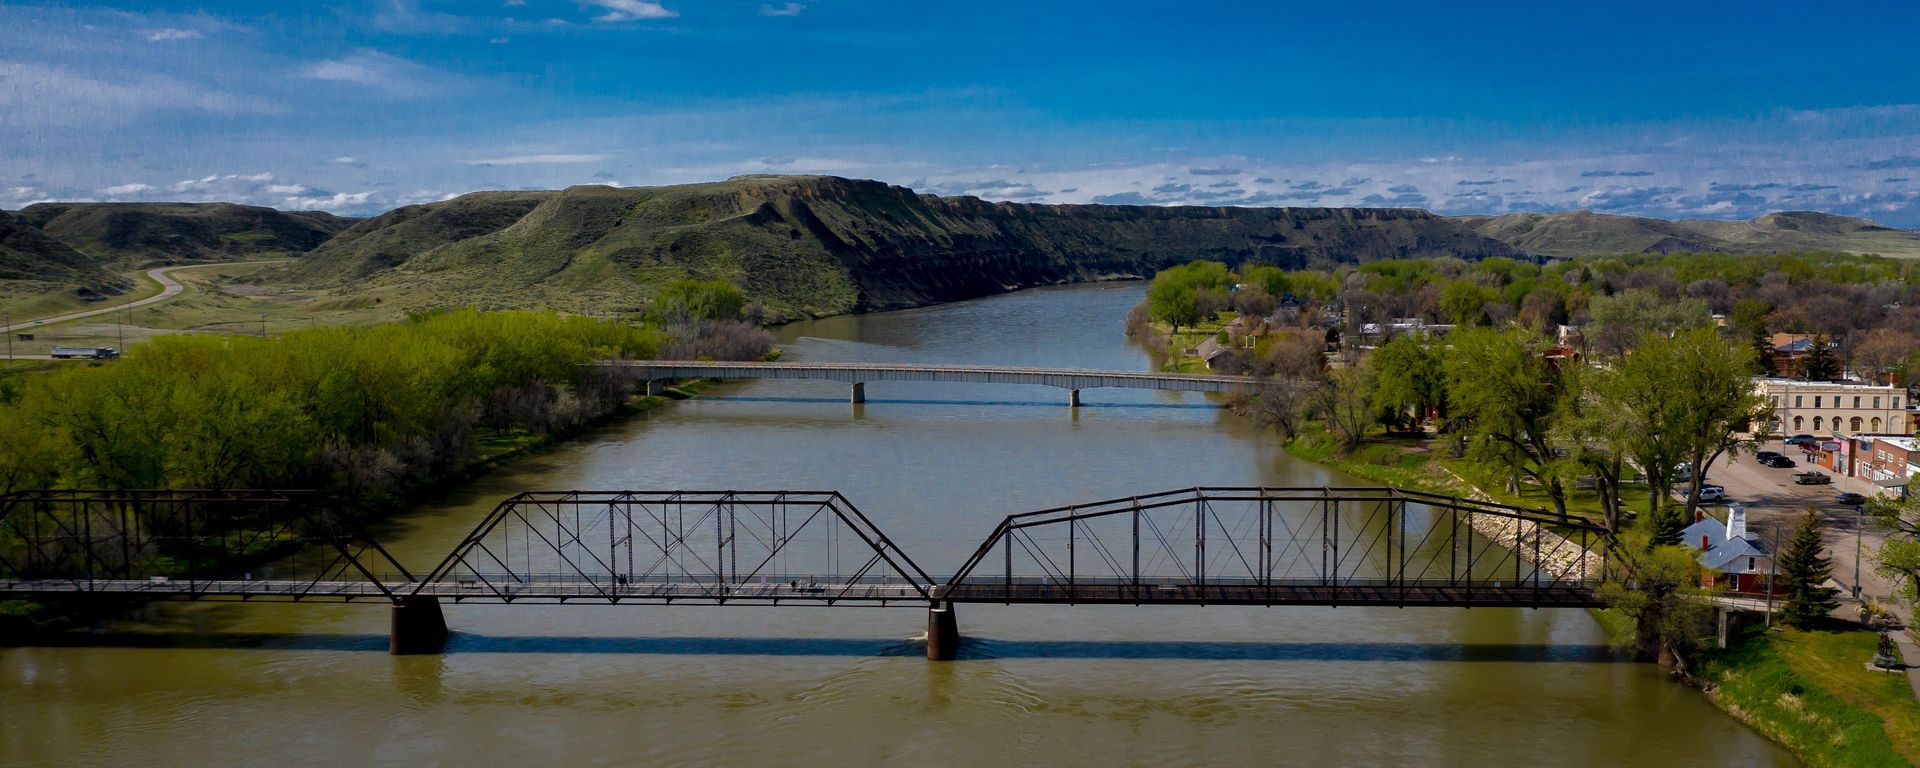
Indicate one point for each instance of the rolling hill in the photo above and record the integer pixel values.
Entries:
(824, 245)
(1571, 234)
(33, 264)
(134, 234)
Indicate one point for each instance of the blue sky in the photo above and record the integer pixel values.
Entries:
(1710, 110)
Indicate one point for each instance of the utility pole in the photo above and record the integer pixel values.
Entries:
(1859, 522)
(8, 325)
(263, 325)
(1773, 568)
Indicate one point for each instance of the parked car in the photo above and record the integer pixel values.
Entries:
(1764, 456)
(1851, 499)
(1802, 440)
(1712, 493)
(1778, 462)
(1811, 477)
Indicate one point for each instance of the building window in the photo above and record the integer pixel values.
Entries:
(1816, 401)
(1876, 424)
(1797, 399)
(1876, 402)
(1896, 402)
(1751, 566)
(1796, 423)
(1856, 401)
(1855, 424)
(1816, 423)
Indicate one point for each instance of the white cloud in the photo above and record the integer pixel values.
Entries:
(126, 189)
(514, 3)
(379, 71)
(217, 183)
(286, 189)
(631, 10)
(335, 201)
(37, 95)
(344, 160)
(170, 34)
(790, 9)
(546, 159)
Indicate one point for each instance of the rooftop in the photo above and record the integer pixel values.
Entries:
(1778, 382)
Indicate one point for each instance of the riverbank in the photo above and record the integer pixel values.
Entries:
(1808, 691)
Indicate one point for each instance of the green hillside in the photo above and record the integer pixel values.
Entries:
(822, 245)
(32, 264)
(1569, 234)
(136, 234)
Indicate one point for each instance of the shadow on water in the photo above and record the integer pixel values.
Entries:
(997, 403)
(970, 648)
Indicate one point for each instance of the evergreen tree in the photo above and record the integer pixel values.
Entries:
(1667, 525)
(1803, 571)
(1763, 352)
(1820, 364)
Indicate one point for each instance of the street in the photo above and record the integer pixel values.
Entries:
(1774, 506)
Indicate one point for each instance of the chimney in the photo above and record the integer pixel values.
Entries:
(1736, 522)
(1699, 514)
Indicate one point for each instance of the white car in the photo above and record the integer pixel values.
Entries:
(1712, 493)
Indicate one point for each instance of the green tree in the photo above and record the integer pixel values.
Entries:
(1819, 364)
(1662, 603)
(704, 299)
(1465, 302)
(1174, 303)
(1407, 380)
(1804, 571)
(1272, 280)
(1762, 344)
(1345, 401)
(1589, 429)
(1505, 396)
(1623, 318)
(1712, 400)
(1899, 556)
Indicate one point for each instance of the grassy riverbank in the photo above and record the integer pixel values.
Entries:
(1812, 693)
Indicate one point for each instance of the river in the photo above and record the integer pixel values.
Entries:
(935, 466)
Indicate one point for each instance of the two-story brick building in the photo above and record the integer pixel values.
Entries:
(1836, 408)
(1889, 459)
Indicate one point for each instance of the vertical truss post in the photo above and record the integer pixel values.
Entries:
(1324, 517)
(1266, 544)
(1072, 533)
(1453, 547)
(1387, 534)
(1403, 551)
(1136, 549)
(1200, 544)
(1469, 572)
(1006, 547)
(1336, 549)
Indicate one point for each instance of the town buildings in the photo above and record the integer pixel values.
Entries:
(1839, 409)
(1729, 555)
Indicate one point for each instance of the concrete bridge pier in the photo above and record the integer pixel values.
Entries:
(943, 633)
(859, 392)
(1073, 398)
(418, 627)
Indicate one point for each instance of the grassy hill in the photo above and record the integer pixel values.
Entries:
(1584, 233)
(122, 235)
(32, 264)
(821, 245)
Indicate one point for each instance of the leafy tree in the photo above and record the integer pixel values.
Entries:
(1407, 380)
(1174, 303)
(1662, 603)
(1804, 571)
(1899, 556)
(1623, 318)
(701, 299)
(1589, 427)
(1819, 364)
(1711, 400)
(1506, 396)
(1345, 401)
(1465, 302)
(1271, 280)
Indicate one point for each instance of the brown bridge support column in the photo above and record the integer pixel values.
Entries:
(943, 633)
(418, 627)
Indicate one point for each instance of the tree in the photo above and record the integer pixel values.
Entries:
(1762, 344)
(1886, 352)
(1465, 302)
(1623, 318)
(1271, 280)
(1589, 428)
(1345, 401)
(1899, 556)
(1819, 364)
(701, 299)
(1407, 381)
(1506, 396)
(1662, 603)
(1712, 399)
(1174, 303)
(1804, 571)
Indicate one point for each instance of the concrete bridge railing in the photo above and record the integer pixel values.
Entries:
(859, 374)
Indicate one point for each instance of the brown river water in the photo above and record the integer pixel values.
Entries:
(935, 466)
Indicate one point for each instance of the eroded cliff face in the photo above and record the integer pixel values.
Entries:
(826, 245)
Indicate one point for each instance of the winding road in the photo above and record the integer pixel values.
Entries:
(169, 288)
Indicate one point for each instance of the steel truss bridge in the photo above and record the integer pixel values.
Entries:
(1250, 546)
(859, 374)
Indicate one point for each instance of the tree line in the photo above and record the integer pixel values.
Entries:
(364, 413)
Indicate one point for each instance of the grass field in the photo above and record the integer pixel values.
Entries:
(1811, 692)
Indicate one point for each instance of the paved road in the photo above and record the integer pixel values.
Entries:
(169, 288)
(1774, 505)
